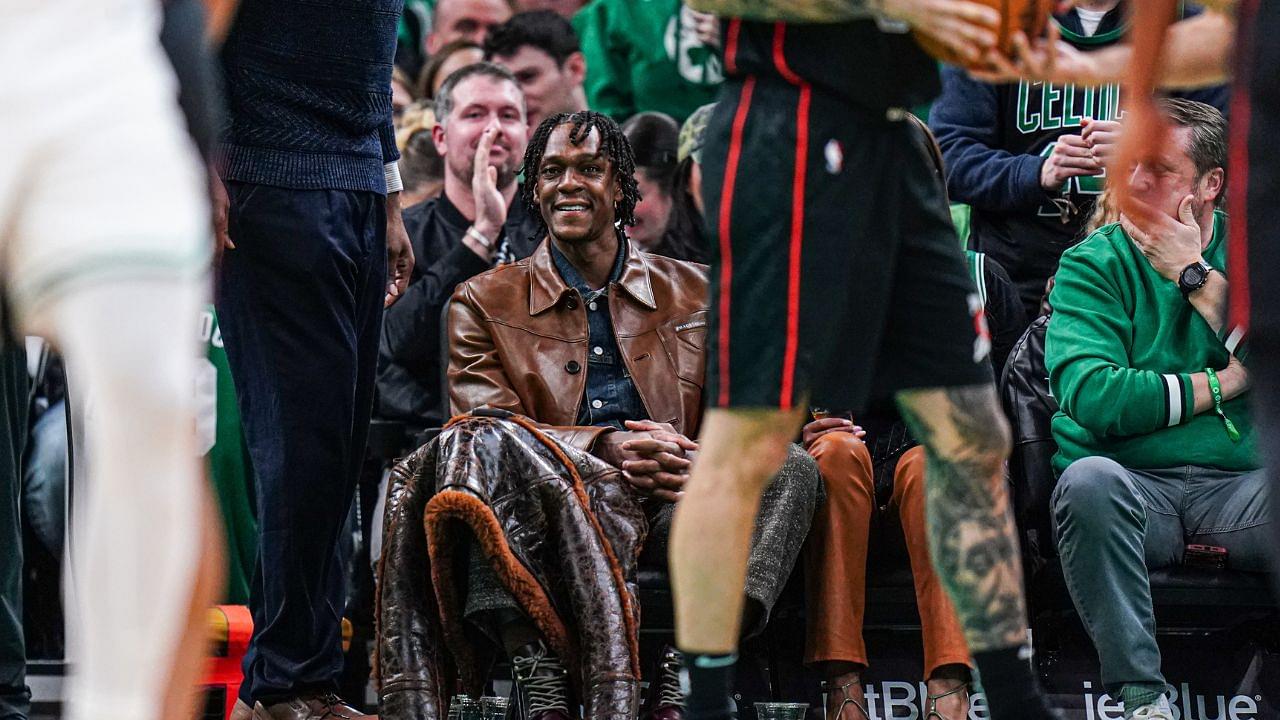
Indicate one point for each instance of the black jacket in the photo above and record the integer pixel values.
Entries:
(410, 371)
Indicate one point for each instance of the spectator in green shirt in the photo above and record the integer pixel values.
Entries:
(1156, 447)
(656, 55)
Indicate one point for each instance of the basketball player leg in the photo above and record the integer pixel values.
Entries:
(107, 257)
(182, 693)
(740, 451)
(741, 445)
(130, 352)
(972, 537)
(781, 218)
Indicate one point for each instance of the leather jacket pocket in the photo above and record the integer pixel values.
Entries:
(685, 340)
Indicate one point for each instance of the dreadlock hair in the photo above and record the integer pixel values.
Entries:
(613, 144)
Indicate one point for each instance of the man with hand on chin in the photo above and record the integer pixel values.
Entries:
(1156, 444)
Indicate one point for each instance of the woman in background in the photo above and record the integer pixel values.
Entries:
(653, 138)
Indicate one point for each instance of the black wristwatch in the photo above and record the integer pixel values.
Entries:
(1193, 277)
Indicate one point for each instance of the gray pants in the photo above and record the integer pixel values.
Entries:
(1114, 524)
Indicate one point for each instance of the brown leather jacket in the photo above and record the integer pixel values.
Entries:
(518, 341)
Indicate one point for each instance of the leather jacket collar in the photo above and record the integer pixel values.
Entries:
(546, 287)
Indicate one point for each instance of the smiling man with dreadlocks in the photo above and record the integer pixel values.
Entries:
(602, 347)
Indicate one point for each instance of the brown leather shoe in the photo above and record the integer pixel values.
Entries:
(241, 711)
(314, 707)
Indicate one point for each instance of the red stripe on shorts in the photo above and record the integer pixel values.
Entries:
(797, 216)
(780, 57)
(731, 46)
(1238, 157)
(726, 216)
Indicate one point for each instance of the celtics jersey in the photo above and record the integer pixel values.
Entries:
(646, 55)
(222, 441)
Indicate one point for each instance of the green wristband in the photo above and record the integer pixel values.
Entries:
(1215, 388)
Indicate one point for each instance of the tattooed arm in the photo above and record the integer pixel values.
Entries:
(971, 532)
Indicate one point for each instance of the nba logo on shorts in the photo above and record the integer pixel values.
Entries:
(833, 153)
(981, 343)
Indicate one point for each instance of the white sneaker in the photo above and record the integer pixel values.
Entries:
(1159, 710)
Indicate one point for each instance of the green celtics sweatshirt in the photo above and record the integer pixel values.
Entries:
(230, 469)
(643, 55)
(1121, 348)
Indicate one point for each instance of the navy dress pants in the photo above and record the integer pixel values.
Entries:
(300, 307)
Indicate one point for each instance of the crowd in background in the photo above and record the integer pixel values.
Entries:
(1023, 164)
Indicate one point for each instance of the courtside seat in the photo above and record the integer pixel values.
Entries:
(1184, 598)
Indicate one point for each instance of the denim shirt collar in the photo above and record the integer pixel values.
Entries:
(574, 279)
(548, 284)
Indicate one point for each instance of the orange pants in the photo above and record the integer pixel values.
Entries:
(836, 557)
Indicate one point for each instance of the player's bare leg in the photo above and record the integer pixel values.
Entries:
(972, 536)
(182, 693)
(739, 452)
(131, 351)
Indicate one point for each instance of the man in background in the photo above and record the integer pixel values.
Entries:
(541, 49)
(473, 225)
(468, 20)
(1029, 157)
(1174, 462)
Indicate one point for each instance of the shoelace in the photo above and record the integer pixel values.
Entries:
(669, 692)
(547, 691)
(330, 701)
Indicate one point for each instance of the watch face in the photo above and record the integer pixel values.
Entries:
(1193, 276)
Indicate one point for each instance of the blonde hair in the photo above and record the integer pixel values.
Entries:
(1105, 212)
(416, 118)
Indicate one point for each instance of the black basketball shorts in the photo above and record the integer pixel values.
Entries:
(837, 275)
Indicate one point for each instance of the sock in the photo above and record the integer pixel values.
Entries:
(1013, 693)
(708, 684)
(1136, 695)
